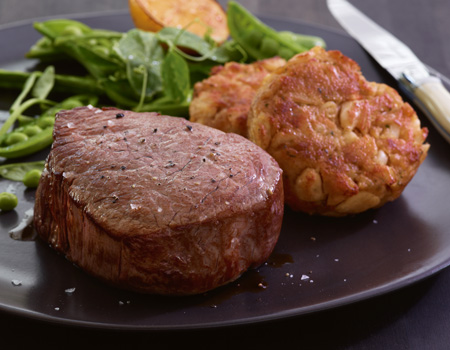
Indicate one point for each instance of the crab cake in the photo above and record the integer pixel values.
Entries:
(222, 100)
(345, 144)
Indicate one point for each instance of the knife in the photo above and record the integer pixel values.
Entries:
(426, 90)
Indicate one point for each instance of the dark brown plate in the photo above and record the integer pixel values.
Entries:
(318, 264)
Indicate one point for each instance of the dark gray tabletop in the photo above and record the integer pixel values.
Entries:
(416, 317)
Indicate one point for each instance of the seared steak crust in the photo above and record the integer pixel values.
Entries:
(157, 204)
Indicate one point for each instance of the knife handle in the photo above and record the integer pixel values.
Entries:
(435, 99)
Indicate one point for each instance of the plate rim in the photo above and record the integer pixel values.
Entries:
(407, 281)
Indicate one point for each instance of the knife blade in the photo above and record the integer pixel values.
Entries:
(426, 90)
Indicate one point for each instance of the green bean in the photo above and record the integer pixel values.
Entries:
(8, 201)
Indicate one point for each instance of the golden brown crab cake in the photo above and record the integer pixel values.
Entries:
(223, 100)
(345, 144)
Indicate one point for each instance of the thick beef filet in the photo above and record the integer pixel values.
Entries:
(157, 204)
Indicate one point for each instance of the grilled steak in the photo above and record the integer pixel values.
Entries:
(157, 204)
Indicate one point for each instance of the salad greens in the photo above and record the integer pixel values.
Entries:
(136, 70)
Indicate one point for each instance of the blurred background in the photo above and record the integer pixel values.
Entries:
(12, 10)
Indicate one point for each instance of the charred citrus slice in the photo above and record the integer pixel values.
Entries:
(197, 16)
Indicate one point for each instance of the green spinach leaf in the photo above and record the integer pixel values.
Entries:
(143, 57)
(185, 40)
(176, 80)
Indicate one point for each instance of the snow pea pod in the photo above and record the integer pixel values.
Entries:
(55, 28)
(258, 39)
(56, 32)
(92, 48)
(308, 41)
(29, 145)
(38, 134)
(17, 171)
(72, 84)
